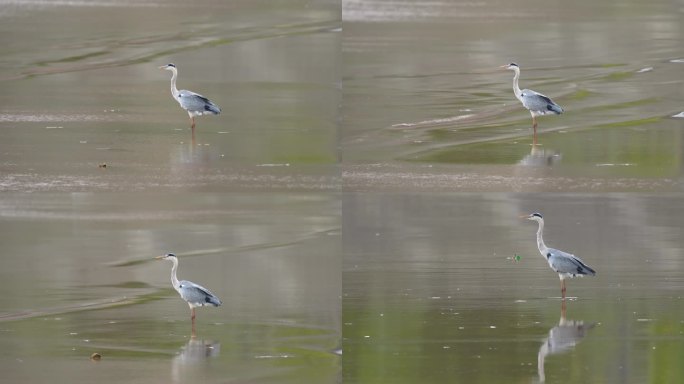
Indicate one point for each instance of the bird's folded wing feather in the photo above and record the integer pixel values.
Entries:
(194, 290)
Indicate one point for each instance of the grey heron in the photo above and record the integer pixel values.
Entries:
(563, 263)
(195, 104)
(535, 102)
(194, 294)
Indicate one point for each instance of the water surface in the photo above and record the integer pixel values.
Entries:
(80, 278)
(451, 288)
(99, 174)
(422, 86)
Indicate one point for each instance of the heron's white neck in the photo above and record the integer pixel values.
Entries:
(174, 90)
(516, 88)
(540, 241)
(174, 279)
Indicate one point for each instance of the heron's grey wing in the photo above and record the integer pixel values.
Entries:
(194, 102)
(535, 101)
(563, 262)
(197, 294)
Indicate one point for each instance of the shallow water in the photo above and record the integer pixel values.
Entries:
(91, 94)
(422, 85)
(99, 174)
(432, 291)
(79, 278)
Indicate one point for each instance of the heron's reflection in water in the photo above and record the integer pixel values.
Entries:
(541, 157)
(562, 338)
(193, 358)
(193, 154)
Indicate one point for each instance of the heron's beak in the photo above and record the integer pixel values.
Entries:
(504, 66)
(524, 216)
(160, 257)
(162, 67)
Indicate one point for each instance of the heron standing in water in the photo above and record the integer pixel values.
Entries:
(563, 263)
(195, 104)
(535, 102)
(194, 294)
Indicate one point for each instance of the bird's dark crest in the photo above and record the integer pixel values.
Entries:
(537, 214)
(170, 255)
(514, 65)
(171, 65)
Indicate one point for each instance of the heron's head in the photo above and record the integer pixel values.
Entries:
(168, 66)
(511, 66)
(534, 216)
(168, 256)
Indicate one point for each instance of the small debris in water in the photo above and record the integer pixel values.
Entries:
(647, 69)
(613, 165)
(83, 142)
(492, 326)
(102, 165)
(679, 115)
(96, 357)
(283, 356)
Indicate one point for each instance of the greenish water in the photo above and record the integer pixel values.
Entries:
(360, 190)
(99, 174)
(79, 278)
(433, 292)
(422, 85)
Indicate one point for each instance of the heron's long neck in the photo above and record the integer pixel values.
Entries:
(516, 88)
(174, 90)
(540, 240)
(174, 279)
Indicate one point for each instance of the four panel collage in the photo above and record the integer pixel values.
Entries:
(357, 191)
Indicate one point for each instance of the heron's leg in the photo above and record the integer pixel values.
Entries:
(192, 315)
(534, 129)
(563, 289)
(192, 127)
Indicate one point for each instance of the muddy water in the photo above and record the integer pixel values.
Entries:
(99, 174)
(422, 87)
(451, 288)
(79, 95)
(441, 286)
(79, 278)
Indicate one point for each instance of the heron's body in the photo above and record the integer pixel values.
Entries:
(194, 103)
(535, 102)
(563, 263)
(194, 294)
